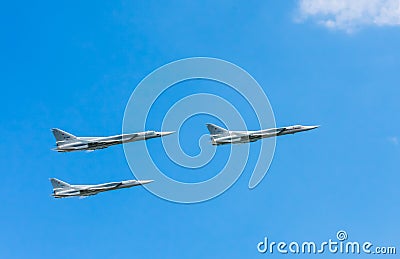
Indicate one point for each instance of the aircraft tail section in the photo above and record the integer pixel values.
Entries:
(58, 183)
(61, 135)
(216, 130)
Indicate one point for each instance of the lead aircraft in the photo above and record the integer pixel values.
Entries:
(221, 136)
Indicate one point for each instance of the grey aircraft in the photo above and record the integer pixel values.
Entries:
(67, 142)
(64, 190)
(221, 136)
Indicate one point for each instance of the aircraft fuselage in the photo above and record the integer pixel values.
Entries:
(240, 137)
(88, 190)
(93, 143)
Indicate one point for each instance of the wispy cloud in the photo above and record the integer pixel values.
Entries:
(350, 14)
(394, 140)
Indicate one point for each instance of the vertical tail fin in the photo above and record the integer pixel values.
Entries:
(216, 130)
(58, 183)
(61, 135)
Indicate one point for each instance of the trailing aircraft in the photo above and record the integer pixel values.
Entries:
(63, 190)
(67, 142)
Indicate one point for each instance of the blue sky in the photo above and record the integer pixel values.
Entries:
(73, 65)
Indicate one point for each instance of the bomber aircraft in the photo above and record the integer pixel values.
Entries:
(67, 142)
(221, 136)
(63, 190)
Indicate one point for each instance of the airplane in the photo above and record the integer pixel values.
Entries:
(67, 142)
(221, 136)
(64, 190)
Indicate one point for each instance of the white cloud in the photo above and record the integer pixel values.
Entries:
(350, 14)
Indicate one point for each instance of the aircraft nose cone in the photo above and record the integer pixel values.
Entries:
(145, 181)
(166, 133)
(313, 127)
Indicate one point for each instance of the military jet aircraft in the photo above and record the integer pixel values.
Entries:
(67, 142)
(63, 190)
(221, 136)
